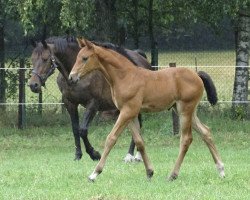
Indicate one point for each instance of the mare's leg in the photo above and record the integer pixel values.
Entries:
(130, 155)
(88, 116)
(73, 112)
(135, 127)
(207, 138)
(185, 115)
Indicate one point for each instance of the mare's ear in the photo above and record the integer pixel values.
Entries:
(45, 45)
(33, 43)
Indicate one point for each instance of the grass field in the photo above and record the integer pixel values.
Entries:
(37, 163)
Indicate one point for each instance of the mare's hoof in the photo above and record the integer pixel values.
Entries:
(172, 177)
(129, 158)
(95, 155)
(78, 156)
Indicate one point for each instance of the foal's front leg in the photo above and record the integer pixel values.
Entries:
(111, 139)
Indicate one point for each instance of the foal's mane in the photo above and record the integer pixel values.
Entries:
(115, 48)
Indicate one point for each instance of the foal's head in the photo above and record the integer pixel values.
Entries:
(86, 61)
(42, 61)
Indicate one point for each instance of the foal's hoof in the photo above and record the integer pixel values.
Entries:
(150, 174)
(92, 177)
(95, 155)
(220, 168)
(172, 177)
(138, 157)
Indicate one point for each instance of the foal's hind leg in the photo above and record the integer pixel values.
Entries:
(130, 155)
(135, 127)
(207, 138)
(185, 141)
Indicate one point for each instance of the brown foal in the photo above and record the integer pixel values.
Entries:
(136, 89)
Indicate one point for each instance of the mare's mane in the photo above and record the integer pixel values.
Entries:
(115, 48)
(61, 44)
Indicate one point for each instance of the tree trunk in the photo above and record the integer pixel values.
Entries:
(2, 71)
(106, 19)
(240, 92)
(153, 43)
(136, 24)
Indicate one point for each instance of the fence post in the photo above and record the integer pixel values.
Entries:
(21, 105)
(175, 117)
(40, 101)
(154, 57)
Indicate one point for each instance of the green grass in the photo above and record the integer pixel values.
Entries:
(37, 163)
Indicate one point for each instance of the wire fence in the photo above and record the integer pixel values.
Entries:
(51, 100)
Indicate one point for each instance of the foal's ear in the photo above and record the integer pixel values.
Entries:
(88, 44)
(83, 42)
(80, 42)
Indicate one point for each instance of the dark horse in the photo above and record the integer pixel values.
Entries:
(92, 92)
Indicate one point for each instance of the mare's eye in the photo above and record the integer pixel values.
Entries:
(45, 59)
(84, 59)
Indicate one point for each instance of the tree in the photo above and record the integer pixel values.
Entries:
(240, 91)
(40, 17)
(8, 8)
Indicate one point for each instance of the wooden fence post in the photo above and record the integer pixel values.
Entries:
(21, 105)
(40, 101)
(154, 57)
(175, 117)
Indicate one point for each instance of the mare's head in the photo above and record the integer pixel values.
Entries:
(43, 62)
(86, 61)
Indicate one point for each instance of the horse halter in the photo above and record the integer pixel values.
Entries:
(51, 70)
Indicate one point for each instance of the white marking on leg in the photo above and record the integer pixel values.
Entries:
(129, 158)
(138, 157)
(93, 176)
(220, 168)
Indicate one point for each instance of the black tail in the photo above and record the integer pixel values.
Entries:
(209, 87)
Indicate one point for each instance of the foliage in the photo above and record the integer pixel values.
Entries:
(77, 16)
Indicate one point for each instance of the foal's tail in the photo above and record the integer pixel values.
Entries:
(209, 87)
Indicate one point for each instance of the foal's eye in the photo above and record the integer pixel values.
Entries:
(84, 59)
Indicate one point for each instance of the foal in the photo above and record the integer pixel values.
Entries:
(136, 89)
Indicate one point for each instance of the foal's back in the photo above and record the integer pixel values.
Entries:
(165, 87)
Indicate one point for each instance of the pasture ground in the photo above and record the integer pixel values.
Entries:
(37, 163)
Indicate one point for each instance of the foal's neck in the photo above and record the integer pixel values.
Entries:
(115, 66)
